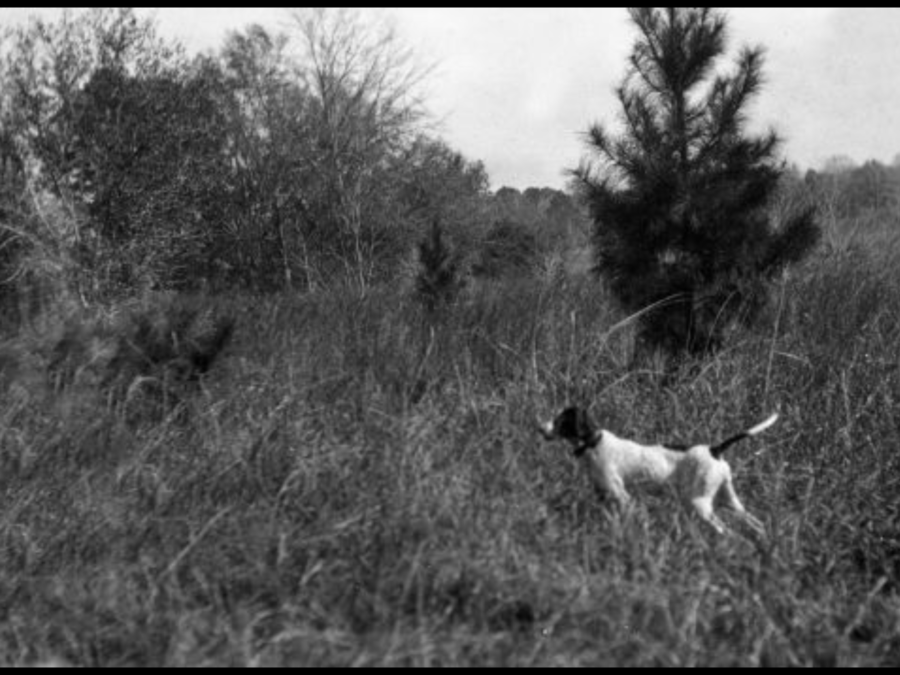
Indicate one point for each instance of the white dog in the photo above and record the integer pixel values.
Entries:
(697, 472)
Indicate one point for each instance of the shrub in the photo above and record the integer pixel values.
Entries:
(438, 280)
(161, 346)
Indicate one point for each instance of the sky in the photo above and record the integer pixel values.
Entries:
(517, 88)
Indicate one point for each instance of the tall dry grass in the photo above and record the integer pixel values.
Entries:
(360, 483)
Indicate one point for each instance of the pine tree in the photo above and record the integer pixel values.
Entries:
(682, 230)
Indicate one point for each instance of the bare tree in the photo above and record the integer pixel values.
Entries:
(267, 110)
(363, 83)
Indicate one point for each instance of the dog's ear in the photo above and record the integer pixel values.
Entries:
(584, 425)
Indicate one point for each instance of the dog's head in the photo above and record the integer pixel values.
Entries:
(572, 424)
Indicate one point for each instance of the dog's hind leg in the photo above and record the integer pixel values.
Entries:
(734, 503)
(703, 505)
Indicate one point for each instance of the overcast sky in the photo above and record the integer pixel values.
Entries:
(516, 88)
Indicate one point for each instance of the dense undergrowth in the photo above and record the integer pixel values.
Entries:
(358, 482)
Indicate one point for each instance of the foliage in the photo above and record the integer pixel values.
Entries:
(437, 182)
(856, 191)
(302, 509)
(47, 65)
(296, 160)
(439, 278)
(508, 249)
(534, 229)
(361, 82)
(270, 228)
(12, 183)
(143, 360)
(680, 200)
(148, 157)
(118, 133)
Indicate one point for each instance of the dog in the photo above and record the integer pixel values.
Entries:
(697, 472)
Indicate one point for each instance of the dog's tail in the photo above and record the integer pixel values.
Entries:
(718, 449)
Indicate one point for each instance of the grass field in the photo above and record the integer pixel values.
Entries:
(357, 486)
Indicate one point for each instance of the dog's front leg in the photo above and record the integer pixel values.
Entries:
(613, 486)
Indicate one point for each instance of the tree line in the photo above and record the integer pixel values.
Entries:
(306, 159)
(283, 161)
(846, 190)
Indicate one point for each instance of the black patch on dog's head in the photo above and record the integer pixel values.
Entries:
(574, 425)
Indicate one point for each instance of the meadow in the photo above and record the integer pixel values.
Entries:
(356, 483)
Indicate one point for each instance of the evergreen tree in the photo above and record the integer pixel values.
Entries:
(682, 229)
(438, 279)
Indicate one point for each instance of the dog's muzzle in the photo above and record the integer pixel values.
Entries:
(546, 430)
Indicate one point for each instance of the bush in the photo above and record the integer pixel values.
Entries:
(509, 249)
(438, 280)
(159, 347)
